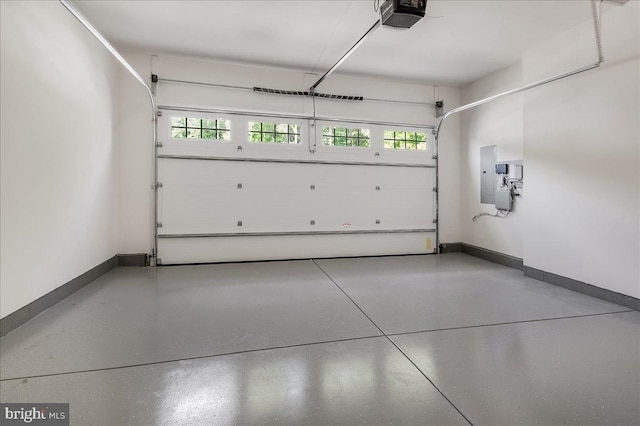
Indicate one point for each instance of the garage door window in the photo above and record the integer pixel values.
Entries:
(274, 133)
(200, 128)
(405, 140)
(345, 137)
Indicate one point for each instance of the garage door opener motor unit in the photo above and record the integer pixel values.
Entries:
(402, 13)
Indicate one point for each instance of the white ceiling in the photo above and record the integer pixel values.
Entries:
(464, 40)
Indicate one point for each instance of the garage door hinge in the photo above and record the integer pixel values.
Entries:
(159, 144)
(435, 220)
(159, 224)
(435, 157)
(435, 189)
(158, 185)
(159, 113)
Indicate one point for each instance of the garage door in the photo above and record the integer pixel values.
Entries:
(238, 187)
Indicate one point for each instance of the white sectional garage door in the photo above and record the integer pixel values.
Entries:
(236, 187)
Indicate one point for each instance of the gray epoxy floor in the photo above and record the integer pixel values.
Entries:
(406, 340)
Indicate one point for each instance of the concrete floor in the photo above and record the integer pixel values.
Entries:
(435, 340)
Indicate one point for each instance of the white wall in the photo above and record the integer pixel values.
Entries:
(580, 137)
(449, 169)
(135, 131)
(58, 152)
(582, 141)
(497, 123)
(135, 161)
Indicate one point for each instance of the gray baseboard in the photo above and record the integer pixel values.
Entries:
(450, 247)
(582, 287)
(136, 259)
(548, 277)
(492, 256)
(24, 314)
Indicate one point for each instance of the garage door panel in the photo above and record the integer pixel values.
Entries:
(343, 211)
(196, 211)
(229, 249)
(400, 177)
(228, 173)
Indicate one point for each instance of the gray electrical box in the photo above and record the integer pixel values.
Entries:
(488, 159)
(503, 199)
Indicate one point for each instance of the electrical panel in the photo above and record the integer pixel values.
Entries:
(488, 158)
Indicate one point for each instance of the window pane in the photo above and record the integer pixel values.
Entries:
(178, 121)
(209, 134)
(405, 140)
(209, 123)
(255, 136)
(343, 136)
(274, 132)
(212, 128)
(178, 133)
